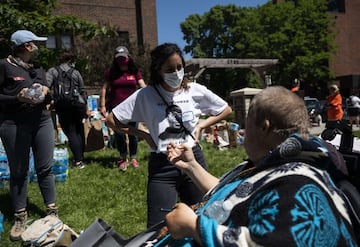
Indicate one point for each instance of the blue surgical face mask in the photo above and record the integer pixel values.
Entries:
(174, 79)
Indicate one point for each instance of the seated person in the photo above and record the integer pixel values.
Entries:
(282, 196)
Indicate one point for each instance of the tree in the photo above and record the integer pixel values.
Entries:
(38, 16)
(212, 35)
(106, 44)
(297, 33)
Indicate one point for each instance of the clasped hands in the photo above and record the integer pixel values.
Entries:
(181, 221)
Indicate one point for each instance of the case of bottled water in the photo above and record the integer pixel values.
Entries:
(92, 102)
(1, 223)
(60, 164)
(4, 167)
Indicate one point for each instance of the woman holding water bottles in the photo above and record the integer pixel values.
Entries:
(25, 124)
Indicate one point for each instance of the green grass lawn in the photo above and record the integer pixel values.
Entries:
(101, 191)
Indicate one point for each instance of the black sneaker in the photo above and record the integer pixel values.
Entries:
(79, 165)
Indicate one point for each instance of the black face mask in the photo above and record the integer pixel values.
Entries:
(34, 52)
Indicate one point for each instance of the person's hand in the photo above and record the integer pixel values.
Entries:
(22, 98)
(88, 113)
(45, 90)
(181, 222)
(198, 130)
(180, 155)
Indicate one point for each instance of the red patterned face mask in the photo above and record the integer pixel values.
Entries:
(122, 61)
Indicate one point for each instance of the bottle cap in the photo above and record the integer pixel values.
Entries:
(227, 205)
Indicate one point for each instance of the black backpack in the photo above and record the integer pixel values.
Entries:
(66, 92)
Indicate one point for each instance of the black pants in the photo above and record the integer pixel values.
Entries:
(73, 127)
(17, 140)
(166, 183)
(121, 144)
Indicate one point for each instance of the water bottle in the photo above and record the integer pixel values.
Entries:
(30, 93)
(1, 223)
(219, 210)
(35, 92)
(60, 177)
(4, 168)
(60, 164)
(38, 92)
(89, 102)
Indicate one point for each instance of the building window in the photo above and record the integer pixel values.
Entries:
(337, 6)
(66, 41)
(63, 41)
(51, 42)
(123, 37)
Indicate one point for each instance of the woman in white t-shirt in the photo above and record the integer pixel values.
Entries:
(170, 107)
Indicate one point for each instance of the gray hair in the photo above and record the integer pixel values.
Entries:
(285, 111)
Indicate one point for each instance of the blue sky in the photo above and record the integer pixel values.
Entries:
(170, 13)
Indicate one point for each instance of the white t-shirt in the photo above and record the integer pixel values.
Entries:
(145, 105)
(355, 101)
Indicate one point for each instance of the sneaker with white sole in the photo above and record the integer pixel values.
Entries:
(78, 165)
(19, 226)
(134, 163)
(123, 164)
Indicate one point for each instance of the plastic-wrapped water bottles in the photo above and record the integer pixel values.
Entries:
(4, 167)
(62, 138)
(92, 102)
(219, 210)
(35, 92)
(1, 223)
(60, 164)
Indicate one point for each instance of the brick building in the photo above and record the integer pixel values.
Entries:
(135, 19)
(346, 62)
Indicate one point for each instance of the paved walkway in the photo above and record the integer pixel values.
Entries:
(317, 130)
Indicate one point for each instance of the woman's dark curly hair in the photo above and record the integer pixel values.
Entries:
(116, 72)
(158, 57)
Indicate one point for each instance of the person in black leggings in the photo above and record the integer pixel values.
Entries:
(25, 123)
(71, 117)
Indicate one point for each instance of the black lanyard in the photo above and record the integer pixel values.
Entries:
(176, 116)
